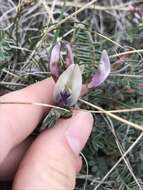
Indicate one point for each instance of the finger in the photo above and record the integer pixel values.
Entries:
(10, 164)
(18, 121)
(51, 161)
(78, 164)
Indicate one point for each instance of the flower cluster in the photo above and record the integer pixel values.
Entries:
(69, 85)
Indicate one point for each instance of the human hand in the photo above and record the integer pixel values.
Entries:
(50, 161)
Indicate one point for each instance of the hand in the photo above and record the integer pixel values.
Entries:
(50, 161)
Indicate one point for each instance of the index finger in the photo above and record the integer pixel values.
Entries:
(18, 121)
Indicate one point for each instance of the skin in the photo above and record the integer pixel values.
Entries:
(50, 161)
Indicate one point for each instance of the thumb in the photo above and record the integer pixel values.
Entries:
(52, 160)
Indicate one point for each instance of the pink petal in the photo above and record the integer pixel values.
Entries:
(55, 62)
(69, 58)
(103, 71)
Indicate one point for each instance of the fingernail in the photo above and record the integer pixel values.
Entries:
(79, 130)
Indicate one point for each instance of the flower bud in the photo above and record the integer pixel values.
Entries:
(69, 58)
(55, 62)
(68, 87)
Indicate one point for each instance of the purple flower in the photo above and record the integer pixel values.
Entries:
(69, 58)
(102, 72)
(68, 85)
(54, 62)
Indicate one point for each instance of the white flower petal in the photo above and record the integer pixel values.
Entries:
(70, 81)
(76, 83)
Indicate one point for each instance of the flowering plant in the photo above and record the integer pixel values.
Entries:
(69, 85)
